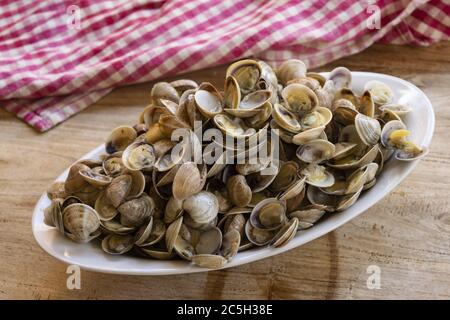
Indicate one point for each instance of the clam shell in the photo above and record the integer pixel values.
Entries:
(117, 244)
(369, 129)
(81, 222)
(299, 98)
(202, 207)
(120, 138)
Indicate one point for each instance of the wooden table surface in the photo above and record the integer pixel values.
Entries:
(407, 234)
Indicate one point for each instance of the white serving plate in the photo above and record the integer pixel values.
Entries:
(91, 257)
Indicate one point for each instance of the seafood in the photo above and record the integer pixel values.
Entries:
(161, 193)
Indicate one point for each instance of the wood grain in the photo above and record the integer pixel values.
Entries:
(407, 234)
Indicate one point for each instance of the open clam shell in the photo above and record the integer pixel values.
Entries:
(246, 72)
(299, 98)
(269, 214)
(315, 151)
(117, 244)
(381, 92)
(139, 156)
(341, 77)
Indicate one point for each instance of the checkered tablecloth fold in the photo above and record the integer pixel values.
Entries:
(58, 57)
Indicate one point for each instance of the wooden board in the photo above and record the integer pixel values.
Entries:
(407, 234)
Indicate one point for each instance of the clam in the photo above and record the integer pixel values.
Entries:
(137, 184)
(354, 161)
(81, 222)
(188, 180)
(290, 70)
(234, 127)
(269, 214)
(114, 227)
(75, 181)
(53, 215)
(366, 105)
(317, 175)
(295, 202)
(398, 109)
(308, 135)
(347, 201)
(209, 261)
(151, 114)
(259, 237)
(285, 119)
(157, 253)
(344, 103)
(120, 138)
(343, 149)
(307, 216)
(319, 117)
(348, 94)
(234, 222)
(368, 128)
(320, 78)
(268, 80)
(388, 128)
(360, 177)
(239, 191)
(246, 72)
(139, 156)
(136, 212)
(118, 190)
(117, 244)
(208, 100)
(345, 115)
(311, 83)
(293, 190)
(164, 90)
(285, 234)
(255, 99)
(259, 120)
(173, 210)
(341, 77)
(260, 180)
(184, 248)
(388, 115)
(187, 111)
(167, 124)
(183, 85)
(113, 165)
(95, 179)
(405, 150)
(171, 158)
(286, 176)
(209, 242)
(104, 208)
(232, 94)
(325, 95)
(315, 151)
(320, 199)
(299, 98)
(230, 244)
(250, 104)
(381, 92)
(202, 207)
(56, 190)
(172, 233)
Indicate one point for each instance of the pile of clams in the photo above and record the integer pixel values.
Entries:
(150, 196)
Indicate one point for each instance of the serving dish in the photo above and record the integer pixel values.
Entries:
(91, 257)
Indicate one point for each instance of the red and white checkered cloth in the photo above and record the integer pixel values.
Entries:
(58, 57)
